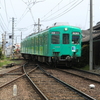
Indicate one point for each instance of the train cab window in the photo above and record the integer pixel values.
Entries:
(55, 39)
(65, 38)
(75, 39)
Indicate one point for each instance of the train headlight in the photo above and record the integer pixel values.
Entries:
(66, 29)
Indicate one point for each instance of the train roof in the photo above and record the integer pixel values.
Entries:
(63, 24)
(49, 28)
(67, 26)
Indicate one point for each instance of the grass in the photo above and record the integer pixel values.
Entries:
(85, 68)
(6, 61)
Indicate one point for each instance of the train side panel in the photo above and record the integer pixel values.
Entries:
(36, 44)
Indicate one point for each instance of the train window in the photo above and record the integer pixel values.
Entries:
(75, 39)
(65, 38)
(55, 39)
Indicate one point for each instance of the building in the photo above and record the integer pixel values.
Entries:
(96, 42)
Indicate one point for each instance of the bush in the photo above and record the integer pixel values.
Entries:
(84, 59)
(1, 55)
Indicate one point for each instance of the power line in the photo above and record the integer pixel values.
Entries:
(86, 16)
(6, 10)
(52, 9)
(13, 8)
(3, 22)
(2, 26)
(25, 12)
(28, 8)
(59, 10)
(64, 12)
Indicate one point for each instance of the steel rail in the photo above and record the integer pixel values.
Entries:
(16, 78)
(9, 71)
(34, 86)
(80, 76)
(87, 97)
(85, 71)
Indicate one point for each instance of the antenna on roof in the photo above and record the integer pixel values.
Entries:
(60, 23)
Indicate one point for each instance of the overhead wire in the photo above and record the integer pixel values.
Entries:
(31, 11)
(30, 5)
(58, 10)
(52, 9)
(3, 22)
(86, 17)
(64, 12)
(28, 9)
(13, 8)
(6, 10)
(2, 26)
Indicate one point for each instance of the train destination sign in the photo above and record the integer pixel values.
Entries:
(76, 33)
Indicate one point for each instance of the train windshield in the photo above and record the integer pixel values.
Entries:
(75, 39)
(55, 39)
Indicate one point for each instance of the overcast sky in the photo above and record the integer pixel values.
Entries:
(27, 12)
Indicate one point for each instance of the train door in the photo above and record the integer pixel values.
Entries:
(65, 44)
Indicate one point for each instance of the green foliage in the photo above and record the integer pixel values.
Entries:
(5, 61)
(85, 68)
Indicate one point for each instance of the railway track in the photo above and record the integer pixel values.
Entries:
(24, 89)
(53, 88)
(84, 74)
(10, 76)
(78, 81)
(45, 85)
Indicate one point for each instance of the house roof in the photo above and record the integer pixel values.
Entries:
(86, 35)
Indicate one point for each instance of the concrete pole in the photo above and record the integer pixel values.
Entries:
(5, 43)
(38, 24)
(12, 36)
(91, 37)
(21, 36)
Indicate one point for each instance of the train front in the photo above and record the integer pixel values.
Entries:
(65, 43)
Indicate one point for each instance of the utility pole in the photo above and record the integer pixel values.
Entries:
(12, 36)
(91, 37)
(5, 43)
(38, 24)
(21, 36)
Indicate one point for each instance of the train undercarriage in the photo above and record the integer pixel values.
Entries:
(53, 61)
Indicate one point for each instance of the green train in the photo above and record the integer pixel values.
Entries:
(56, 44)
